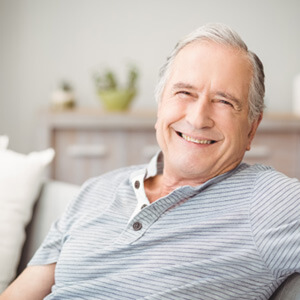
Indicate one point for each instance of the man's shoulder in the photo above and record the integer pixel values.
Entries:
(246, 174)
(112, 178)
(264, 171)
(259, 177)
(121, 173)
(256, 168)
(270, 185)
(98, 192)
(268, 173)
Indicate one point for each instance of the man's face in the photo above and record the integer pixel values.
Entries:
(202, 126)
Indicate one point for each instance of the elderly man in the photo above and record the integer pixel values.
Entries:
(196, 223)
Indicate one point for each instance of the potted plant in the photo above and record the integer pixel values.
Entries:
(63, 97)
(114, 96)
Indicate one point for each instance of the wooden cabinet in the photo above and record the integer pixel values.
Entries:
(90, 142)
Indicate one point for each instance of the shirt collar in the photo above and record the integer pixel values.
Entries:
(156, 166)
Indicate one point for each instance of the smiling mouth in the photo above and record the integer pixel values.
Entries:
(194, 140)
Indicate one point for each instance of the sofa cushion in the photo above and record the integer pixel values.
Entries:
(20, 181)
(289, 289)
(53, 199)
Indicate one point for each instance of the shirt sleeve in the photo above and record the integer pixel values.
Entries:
(275, 221)
(50, 248)
(49, 251)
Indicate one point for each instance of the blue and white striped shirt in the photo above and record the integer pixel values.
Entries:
(237, 236)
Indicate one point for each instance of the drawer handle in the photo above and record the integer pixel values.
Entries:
(80, 151)
(258, 152)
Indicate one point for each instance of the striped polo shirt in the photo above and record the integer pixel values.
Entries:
(237, 236)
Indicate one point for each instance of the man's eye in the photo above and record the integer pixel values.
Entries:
(183, 93)
(226, 102)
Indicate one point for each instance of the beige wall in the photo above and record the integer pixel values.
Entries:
(42, 42)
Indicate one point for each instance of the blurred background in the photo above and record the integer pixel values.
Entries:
(44, 42)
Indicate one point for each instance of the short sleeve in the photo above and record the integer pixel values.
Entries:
(50, 249)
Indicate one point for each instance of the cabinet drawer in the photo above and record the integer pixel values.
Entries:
(81, 154)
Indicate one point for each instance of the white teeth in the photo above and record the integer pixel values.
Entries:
(190, 139)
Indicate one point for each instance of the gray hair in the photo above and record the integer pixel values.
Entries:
(222, 34)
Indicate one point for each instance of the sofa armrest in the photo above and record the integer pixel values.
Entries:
(289, 289)
(53, 198)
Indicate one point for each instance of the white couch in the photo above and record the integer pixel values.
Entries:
(52, 201)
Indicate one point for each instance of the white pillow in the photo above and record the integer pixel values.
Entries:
(3, 142)
(20, 181)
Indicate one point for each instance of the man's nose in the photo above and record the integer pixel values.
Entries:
(199, 113)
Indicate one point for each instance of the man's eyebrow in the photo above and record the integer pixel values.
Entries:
(182, 85)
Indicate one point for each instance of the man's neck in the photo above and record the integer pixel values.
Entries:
(161, 185)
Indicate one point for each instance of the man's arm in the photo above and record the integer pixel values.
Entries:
(34, 283)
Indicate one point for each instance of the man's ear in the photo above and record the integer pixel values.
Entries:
(253, 129)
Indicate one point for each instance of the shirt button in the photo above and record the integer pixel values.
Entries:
(137, 184)
(143, 206)
(137, 226)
